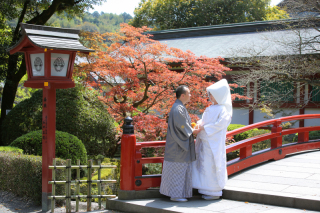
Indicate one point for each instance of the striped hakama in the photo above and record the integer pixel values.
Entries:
(176, 180)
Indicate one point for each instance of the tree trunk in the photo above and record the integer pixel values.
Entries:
(10, 87)
(15, 74)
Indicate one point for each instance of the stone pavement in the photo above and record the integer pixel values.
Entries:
(288, 185)
(291, 182)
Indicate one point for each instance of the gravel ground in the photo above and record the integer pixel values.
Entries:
(11, 203)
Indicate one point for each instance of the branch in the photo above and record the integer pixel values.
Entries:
(56, 6)
(154, 100)
(23, 12)
(145, 95)
(99, 76)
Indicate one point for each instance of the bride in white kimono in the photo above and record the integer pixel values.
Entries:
(209, 173)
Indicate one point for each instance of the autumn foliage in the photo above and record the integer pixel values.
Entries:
(135, 74)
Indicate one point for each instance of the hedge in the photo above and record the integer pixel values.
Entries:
(22, 175)
(78, 112)
(10, 149)
(67, 146)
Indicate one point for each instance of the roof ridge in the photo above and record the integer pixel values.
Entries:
(47, 28)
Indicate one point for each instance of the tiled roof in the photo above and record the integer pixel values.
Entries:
(236, 40)
(52, 37)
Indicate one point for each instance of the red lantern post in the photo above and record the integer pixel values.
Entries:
(49, 54)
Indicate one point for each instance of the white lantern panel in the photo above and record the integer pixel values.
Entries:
(59, 64)
(37, 64)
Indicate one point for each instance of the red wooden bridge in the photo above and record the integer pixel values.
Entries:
(131, 177)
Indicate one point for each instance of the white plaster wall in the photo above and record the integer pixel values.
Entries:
(240, 116)
(312, 122)
(258, 116)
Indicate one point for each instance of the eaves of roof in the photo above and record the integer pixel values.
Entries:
(245, 27)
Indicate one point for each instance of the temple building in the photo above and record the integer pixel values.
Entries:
(264, 39)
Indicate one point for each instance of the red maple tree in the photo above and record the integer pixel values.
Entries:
(135, 74)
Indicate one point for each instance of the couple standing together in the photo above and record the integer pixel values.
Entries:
(200, 165)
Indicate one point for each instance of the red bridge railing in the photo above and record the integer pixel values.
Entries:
(131, 177)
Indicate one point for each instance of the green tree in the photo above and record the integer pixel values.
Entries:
(79, 112)
(275, 13)
(31, 12)
(172, 14)
(23, 92)
(4, 57)
(92, 22)
(91, 27)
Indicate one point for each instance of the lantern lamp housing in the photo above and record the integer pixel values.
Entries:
(49, 54)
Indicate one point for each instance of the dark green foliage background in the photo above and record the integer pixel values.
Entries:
(67, 146)
(78, 112)
(22, 175)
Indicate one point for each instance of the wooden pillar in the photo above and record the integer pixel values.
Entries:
(253, 94)
(301, 122)
(48, 142)
(251, 115)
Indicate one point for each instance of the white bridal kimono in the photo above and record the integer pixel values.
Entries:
(209, 173)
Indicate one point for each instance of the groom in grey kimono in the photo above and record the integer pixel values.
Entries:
(176, 180)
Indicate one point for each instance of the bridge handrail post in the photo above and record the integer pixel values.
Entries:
(245, 152)
(277, 128)
(303, 137)
(128, 151)
(138, 164)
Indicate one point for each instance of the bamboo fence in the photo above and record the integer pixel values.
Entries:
(77, 182)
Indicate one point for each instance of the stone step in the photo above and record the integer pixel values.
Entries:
(273, 198)
(196, 205)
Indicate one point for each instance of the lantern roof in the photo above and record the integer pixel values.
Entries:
(50, 38)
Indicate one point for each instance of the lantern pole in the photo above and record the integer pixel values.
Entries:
(48, 141)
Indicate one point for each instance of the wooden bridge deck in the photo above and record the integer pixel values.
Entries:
(288, 185)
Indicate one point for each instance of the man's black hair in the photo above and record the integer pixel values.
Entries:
(182, 89)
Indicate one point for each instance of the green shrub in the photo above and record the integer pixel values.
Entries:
(78, 112)
(263, 144)
(248, 134)
(313, 135)
(67, 146)
(22, 175)
(240, 136)
(10, 149)
(152, 168)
